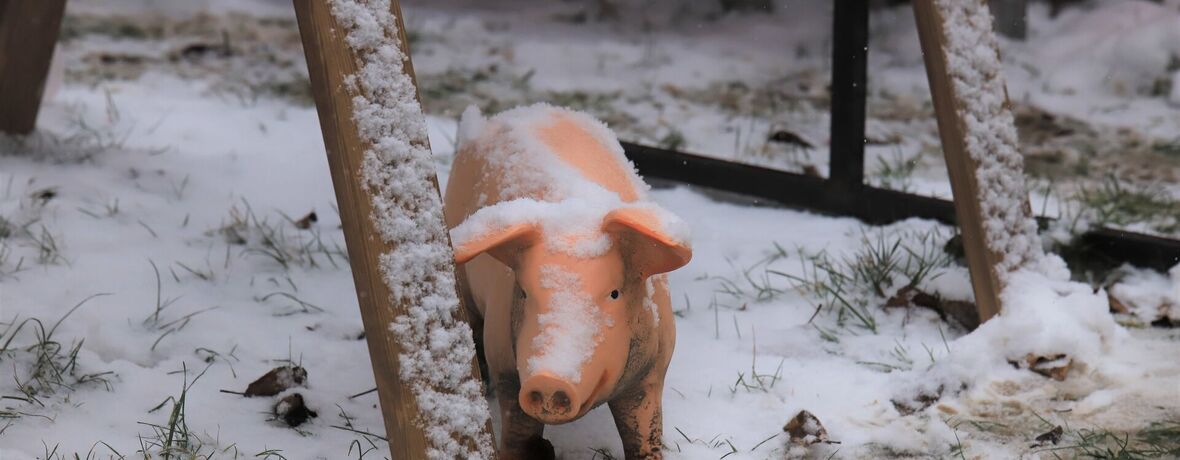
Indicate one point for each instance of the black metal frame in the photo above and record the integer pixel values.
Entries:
(845, 193)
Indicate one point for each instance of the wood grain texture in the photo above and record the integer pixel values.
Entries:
(981, 261)
(28, 33)
(329, 62)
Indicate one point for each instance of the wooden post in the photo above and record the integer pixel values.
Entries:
(28, 33)
(331, 61)
(985, 259)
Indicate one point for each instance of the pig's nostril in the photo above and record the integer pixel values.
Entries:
(560, 402)
(549, 399)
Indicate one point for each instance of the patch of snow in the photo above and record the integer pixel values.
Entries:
(1174, 96)
(1175, 275)
(1114, 48)
(649, 296)
(1149, 295)
(570, 329)
(470, 125)
(1042, 316)
(399, 174)
(528, 166)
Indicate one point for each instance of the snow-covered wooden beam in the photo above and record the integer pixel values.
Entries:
(378, 151)
(979, 142)
(28, 33)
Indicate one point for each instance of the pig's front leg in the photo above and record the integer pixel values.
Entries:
(520, 435)
(639, 418)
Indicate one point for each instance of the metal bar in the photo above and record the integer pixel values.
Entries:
(850, 52)
(1011, 18)
(872, 205)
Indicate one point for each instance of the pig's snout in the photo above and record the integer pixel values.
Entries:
(550, 399)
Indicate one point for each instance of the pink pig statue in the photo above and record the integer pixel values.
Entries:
(564, 257)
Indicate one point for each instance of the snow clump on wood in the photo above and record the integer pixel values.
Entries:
(976, 74)
(1044, 313)
(437, 347)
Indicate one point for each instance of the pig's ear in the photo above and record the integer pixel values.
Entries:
(502, 243)
(652, 248)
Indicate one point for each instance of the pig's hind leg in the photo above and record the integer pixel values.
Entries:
(638, 414)
(521, 436)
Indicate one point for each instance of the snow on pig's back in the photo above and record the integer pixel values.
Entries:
(556, 167)
(544, 153)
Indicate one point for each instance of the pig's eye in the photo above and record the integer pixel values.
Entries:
(614, 294)
(524, 295)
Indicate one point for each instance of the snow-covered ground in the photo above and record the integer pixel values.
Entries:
(166, 192)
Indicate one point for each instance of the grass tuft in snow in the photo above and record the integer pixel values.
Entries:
(850, 284)
(357, 447)
(173, 439)
(46, 366)
(1116, 203)
(285, 242)
(80, 141)
(882, 263)
(1158, 440)
(163, 325)
(896, 171)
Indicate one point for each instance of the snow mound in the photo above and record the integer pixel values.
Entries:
(1045, 316)
(1149, 295)
(1113, 48)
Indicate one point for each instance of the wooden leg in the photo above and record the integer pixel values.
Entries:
(28, 33)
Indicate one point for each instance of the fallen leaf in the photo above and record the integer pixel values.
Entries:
(1055, 367)
(305, 222)
(786, 137)
(276, 381)
(964, 313)
(1050, 437)
(918, 402)
(1116, 305)
(293, 410)
(806, 430)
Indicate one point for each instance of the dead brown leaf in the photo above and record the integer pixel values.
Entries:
(277, 381)
(805, 429)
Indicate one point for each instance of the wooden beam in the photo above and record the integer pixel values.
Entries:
(985, 259)
(331, 61)
(850, 53)
(28, 33)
